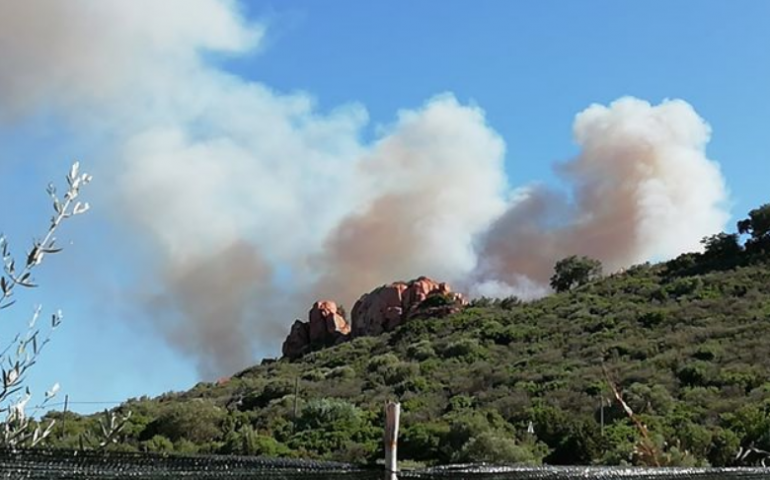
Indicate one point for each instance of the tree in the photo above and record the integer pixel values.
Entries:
(574, 271)
(721, 245)
(23, 351)
(758, 226)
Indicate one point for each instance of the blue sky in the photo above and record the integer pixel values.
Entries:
(530, 66)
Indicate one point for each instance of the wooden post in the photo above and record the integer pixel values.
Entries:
(392, 418)
(296, 394)
(601, 410)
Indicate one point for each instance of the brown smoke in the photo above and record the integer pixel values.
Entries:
(642, 188)
(207, 307)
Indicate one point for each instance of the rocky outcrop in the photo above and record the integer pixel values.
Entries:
(379, 311)
(325, 327)
(326, 323)
(389, 306)
(298, 341)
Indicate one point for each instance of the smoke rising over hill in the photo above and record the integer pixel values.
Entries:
(256, 203)
(641, 188)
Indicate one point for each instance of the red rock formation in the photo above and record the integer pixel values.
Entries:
(387, 307)
(325, 327)
(381, 310)
(326, 324)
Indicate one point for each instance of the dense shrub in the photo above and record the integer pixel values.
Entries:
(491, 447)
(197, 420)
(421, 350)
(467, 349)
(247, 441)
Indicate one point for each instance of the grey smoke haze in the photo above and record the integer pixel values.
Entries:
(256, 203)
(220, 289)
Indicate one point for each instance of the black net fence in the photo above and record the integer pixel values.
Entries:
(58, 464)
(484, 472)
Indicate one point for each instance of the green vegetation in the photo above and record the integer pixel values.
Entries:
(686, 342)
(758, 226)
(575, 271)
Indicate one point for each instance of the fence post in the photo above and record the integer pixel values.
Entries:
(392, 418)
(294, 415)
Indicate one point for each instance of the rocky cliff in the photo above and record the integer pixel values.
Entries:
(325, 327)
(376, 312)
(387, 307)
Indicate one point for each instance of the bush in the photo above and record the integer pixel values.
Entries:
(467, 349)
(724, 445)
(274, 390)
(481, 302)
(315, 375)
(380, 362)
(422, 441)
(158, 444)
(401, 372)
(330, 425)
(495, 448)
(247, 441)
(708, 352)
(695, 374)
(328, 413)
(651, 319)
(437, 300)
(421, 350)
(341, 372)
(511, 302)
(460, 403)
(683, 286)
(197, 421)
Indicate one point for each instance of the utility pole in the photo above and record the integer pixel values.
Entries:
(296, 394)
(601, 412)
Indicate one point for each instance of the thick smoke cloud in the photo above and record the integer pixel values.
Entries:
(435, 180)
(221, 290)
(641, 188)
(81, 54)
(255, 203)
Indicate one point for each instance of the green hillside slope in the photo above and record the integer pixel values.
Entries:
(687, 342)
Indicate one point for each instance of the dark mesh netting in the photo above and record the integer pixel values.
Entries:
(569, 473)
(58, 464)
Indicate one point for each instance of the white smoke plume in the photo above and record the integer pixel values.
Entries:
(435, 181)
(255, 202)
(642, 188)
(79, 55)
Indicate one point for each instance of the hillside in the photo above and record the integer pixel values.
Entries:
(686, 341)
